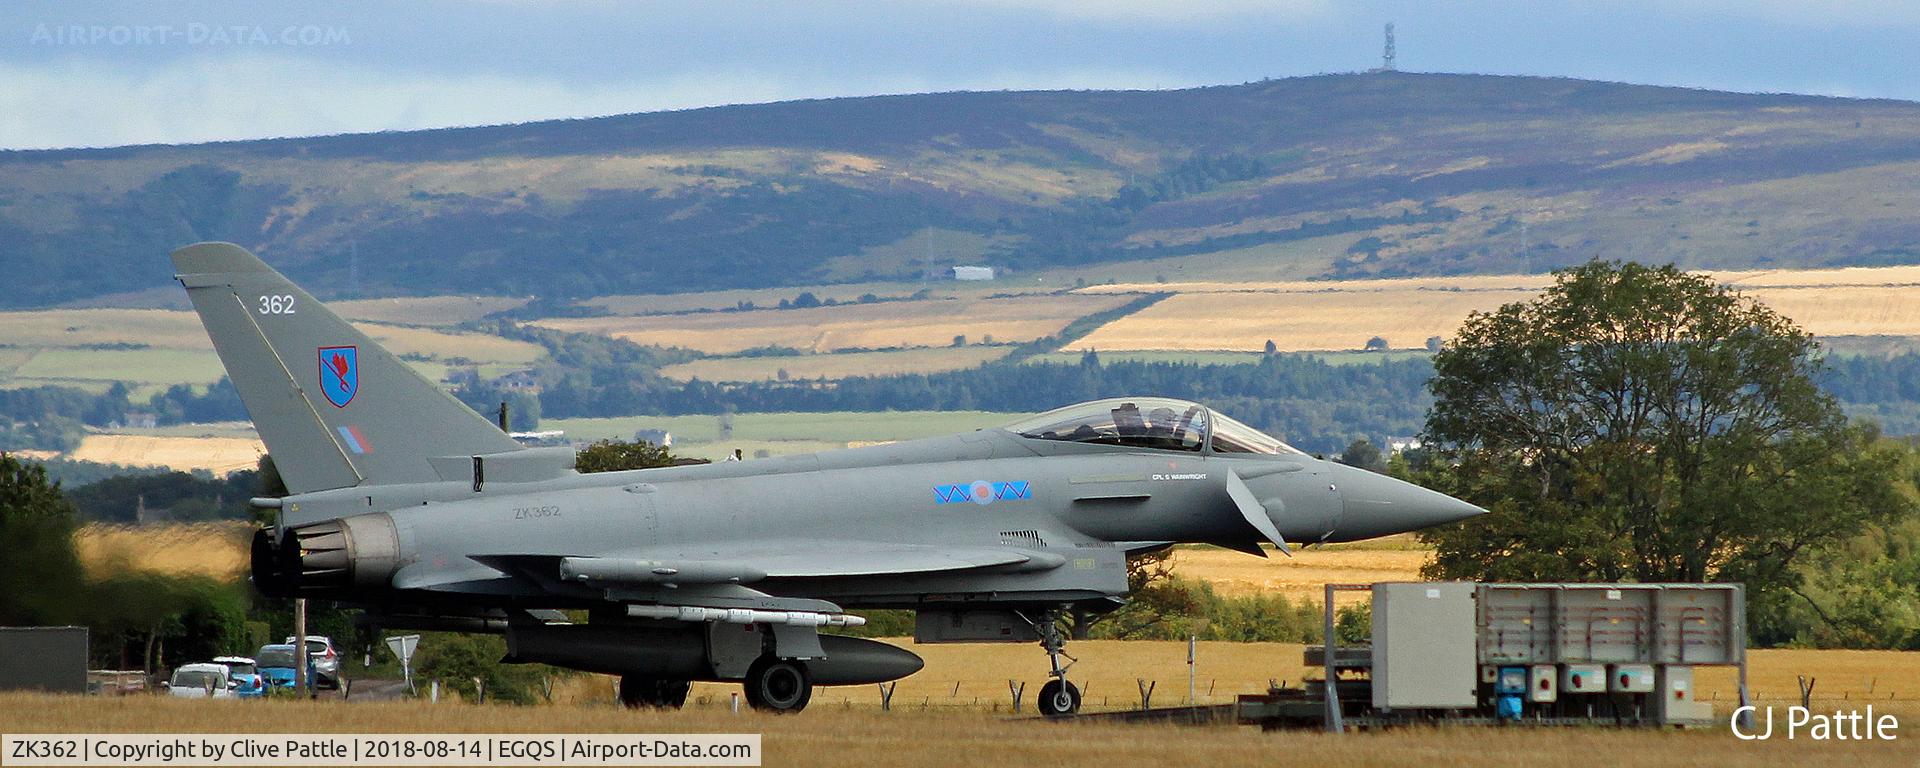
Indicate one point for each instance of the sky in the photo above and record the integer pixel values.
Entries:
(83, 73)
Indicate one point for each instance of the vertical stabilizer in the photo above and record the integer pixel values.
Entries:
(334, 408)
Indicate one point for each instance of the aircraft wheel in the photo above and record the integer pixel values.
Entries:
(636, 692)
(1059, 698)
(778, 685)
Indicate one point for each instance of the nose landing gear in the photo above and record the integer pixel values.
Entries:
(1058, 698)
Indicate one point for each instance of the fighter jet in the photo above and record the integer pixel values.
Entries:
(409, 505)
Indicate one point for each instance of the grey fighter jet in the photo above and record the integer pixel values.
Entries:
(407, 504)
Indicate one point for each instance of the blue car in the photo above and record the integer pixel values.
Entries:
(244, 676)
(275, 664)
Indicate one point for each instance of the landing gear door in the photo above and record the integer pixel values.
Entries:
(731, 648)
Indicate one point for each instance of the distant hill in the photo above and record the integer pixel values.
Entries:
(1377, 174)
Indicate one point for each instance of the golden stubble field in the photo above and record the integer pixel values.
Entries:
(219, 455)
(1341, 315)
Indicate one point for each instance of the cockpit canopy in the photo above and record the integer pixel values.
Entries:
(1158, 423)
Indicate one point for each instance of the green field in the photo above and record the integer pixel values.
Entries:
(147, 366)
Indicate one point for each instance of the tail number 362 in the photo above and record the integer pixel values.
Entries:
(277, 305)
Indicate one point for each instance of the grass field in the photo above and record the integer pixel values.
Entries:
(835, 366)
(840, 428)
(868, 326)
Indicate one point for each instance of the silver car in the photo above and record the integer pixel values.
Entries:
(326, 661)
(201, 681)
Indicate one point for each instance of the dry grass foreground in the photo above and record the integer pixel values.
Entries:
(867, 326)
(1338, 315)
(830, 737)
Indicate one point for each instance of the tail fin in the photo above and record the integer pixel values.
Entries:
(300, 370)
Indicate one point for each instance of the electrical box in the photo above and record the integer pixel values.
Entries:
(1675, 703)
(1543, 683)
(1630, 678)
(983, 626)
(1583, 678)
(43, 659)
(1512, 681)
(1424, 642)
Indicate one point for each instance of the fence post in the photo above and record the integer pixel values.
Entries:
(1016, 692)
(1146, 692)
(886, 695)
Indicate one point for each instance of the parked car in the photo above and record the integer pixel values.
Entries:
(275, 664)
(326, 660)
(201, 681)
(245, 676)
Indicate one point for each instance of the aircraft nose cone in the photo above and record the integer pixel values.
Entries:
(1377, 505)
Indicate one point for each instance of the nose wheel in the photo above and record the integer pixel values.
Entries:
(1058, 698)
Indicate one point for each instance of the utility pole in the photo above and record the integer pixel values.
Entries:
(301, 681)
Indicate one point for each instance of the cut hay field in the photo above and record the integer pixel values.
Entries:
(218, 455)
(866, 326)
(1343, 315)
(835, 365)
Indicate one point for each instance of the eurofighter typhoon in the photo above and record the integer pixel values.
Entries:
(407, 504)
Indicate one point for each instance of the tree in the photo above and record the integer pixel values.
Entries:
(40, 572)
(1364, 454)
(1377, 344)
(1272, 348)
(1641, 423)
(1434, 343)
(1154, 599)
(618, 455)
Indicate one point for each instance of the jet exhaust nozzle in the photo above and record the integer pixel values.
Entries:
(349, 552)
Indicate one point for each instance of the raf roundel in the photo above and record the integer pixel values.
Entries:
(982, 492)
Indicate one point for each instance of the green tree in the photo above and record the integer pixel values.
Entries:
(618, 455)
(1641, 423)
(40, 573)
(1364, 454)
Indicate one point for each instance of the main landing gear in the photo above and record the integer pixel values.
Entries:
(778, 685)
(1058, 698)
